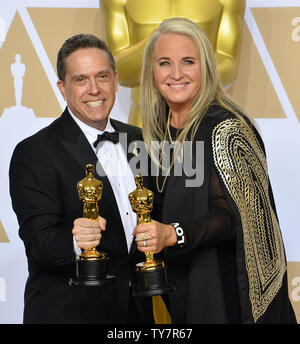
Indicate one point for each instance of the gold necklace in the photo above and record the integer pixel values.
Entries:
(160, 190)
(168, 129)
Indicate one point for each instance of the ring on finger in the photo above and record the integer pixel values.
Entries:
(145, 243)
(143, 236)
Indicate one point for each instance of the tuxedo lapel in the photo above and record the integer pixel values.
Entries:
(131, 136)
(75, 142)
(81, 150)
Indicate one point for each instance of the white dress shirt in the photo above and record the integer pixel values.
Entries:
(113, 160)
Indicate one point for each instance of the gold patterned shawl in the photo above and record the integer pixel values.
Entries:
(242, 165)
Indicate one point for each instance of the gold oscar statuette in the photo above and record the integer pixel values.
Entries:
(128, 24)
(91, 265)
(151, 275)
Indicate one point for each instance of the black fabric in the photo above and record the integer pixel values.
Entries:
(106, 136)
(209, 271)
(44, 172)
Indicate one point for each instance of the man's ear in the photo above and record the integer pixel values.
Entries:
(60, 84)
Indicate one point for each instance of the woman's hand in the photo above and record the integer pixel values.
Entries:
(154, 236)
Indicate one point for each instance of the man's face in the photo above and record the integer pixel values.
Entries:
(90, 86)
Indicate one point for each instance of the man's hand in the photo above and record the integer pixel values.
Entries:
(87, 233)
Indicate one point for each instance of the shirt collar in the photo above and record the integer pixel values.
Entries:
(91, 133)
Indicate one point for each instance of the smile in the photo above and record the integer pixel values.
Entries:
(178, 86)
(95, 103)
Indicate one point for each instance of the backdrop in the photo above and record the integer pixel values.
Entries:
(32, 31)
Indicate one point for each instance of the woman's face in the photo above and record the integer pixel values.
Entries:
(177, 70)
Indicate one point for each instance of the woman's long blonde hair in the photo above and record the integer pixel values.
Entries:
(154, 108)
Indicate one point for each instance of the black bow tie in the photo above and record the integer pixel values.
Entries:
(106, 136)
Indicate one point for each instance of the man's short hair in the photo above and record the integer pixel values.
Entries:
(81, 41)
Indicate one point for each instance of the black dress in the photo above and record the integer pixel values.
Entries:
(212, 270)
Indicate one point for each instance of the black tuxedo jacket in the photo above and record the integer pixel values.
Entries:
(44, 171)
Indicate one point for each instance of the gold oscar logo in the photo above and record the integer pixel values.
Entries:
(255, 87)
(28, 86)
(28, 91)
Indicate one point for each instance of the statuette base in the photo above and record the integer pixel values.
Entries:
(151, 280)
(91, 272)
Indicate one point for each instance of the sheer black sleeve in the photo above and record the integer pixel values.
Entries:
(215, 227)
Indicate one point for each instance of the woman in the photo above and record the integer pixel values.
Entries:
(220, 237)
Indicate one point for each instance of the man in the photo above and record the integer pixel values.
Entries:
(44, 172)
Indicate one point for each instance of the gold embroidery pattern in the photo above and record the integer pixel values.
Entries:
(243, 168)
